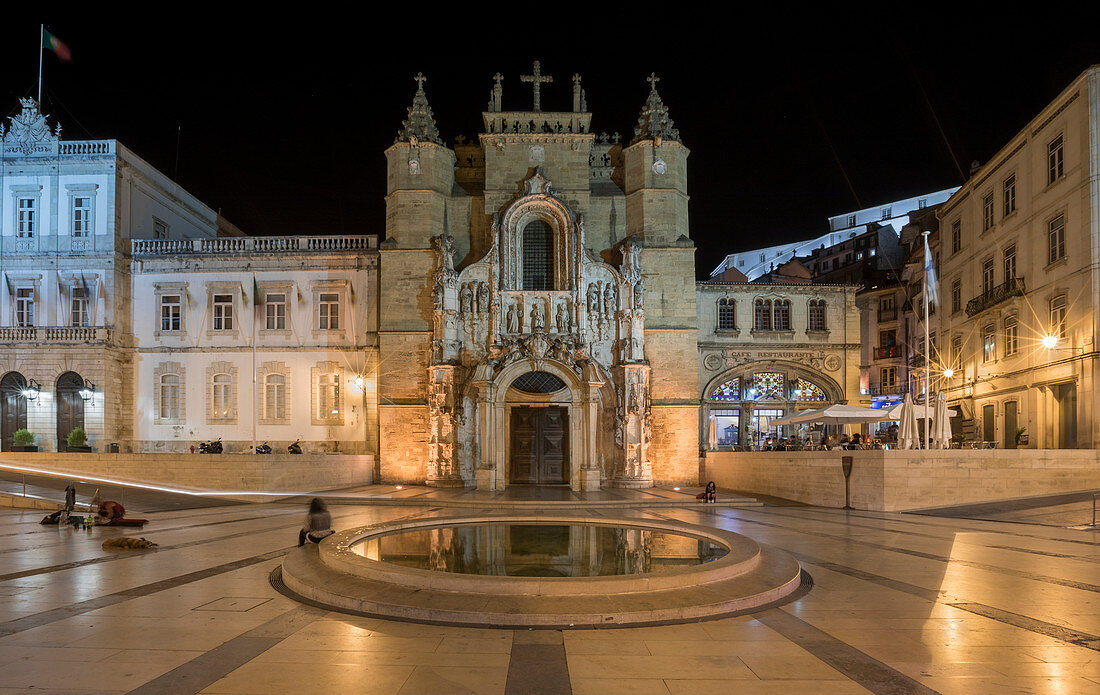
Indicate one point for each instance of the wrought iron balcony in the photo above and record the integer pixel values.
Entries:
(890, 314)
(1013, 287)
(882, 353)
(63, 335)
(892, 390)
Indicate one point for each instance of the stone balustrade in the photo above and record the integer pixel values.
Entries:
(66, 335)
(246, 245)
(85, 147)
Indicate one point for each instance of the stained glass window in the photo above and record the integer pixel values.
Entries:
(768, 386)
(808, 391)
(728, 391)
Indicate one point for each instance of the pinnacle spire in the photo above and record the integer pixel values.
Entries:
(654, 121)
(420, 125)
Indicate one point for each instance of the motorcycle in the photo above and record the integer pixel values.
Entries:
(264, 448)
(214, 447)
(296, 447)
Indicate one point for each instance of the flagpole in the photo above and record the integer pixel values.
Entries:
(927, 351)
(255, 395)
(41, 42)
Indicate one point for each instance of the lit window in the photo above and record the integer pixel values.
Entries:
(275, 308)
(989, 343)
(24, 307)
(727, 391)
(768, 386)
(1055, 160)
(727, 314)
(1010, 262)
(171, 308)
(328, 317)
(1012, 336)
(888, 377)
(1058, 316)
(82, 210)
(169, 397)
(223, 312)
(220, 399)
(275, 397)
(1008, 195)
(1056, 239)
(26, 218)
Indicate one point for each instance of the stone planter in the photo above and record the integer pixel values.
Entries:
(30, 447)
(85, 449)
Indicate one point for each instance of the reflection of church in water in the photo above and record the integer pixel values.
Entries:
(538, 317)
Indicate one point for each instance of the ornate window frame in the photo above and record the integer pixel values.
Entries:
(215, 369)
(340, 287)
(538, 202)
(168, 369)
(268, 369)
(161, 289)
(236, 292)
(85, 241)
(327, 370)
(287, 289)
(33, 192)
(25, 282)
(724, 303)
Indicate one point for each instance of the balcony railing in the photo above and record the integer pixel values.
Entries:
(245, 245)
(882, 353)
(1013, 287)
(884, 390)
(890, 314)
(64, 335)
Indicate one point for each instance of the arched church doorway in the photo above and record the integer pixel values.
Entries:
(538, 431)
(14, 406)
(70, 406)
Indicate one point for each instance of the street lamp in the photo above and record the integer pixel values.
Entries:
(87, 391)
(949, 372)
(1050, 342)
(31, 391)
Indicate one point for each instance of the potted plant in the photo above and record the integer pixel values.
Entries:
(1021, 437)
(23, 440)
(78, 440)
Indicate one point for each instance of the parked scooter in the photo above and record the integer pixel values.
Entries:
(214, 447)
(264, 448)
(296, 447)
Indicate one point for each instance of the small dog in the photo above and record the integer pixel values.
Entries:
(127, 543)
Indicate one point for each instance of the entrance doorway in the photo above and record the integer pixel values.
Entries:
(1010, 424)
(70, 407)
(540, 446)
(1065, 398)
(14, 407)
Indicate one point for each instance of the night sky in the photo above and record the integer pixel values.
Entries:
(283, 127)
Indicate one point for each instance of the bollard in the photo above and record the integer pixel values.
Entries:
(846, 465)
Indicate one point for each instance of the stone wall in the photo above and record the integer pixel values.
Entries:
(224, 472)
(904, 480)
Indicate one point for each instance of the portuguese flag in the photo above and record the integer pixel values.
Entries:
(57, 46)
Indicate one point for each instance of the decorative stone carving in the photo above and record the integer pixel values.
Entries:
(832, 363)
(654, 122)
(420, 125)
(513, 318)
(29, 132)
(561, 318)
(466, 301)
(538, 318)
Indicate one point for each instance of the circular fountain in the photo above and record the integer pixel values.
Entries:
(541, 571)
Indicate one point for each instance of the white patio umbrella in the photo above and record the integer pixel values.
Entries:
(894, 413)
(712, 433)
(907, 430)
(835, 414)
(941, 423)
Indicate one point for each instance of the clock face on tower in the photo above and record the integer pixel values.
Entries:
(659, 166)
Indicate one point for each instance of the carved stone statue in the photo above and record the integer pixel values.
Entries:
(466, 300)
(593, 299)
(513, 319)
(639, 292)
(538, 318)
(483, 298)
(561, 319)
(609, 301)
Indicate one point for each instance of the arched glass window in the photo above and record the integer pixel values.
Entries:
(538, 382)
(220, 400)
(169, 397)
(538, 256)
(807, 391)
(727, 315)
(782, 316)
(727, 391)
(275, 397)
(817, 315)
(762, 315)
(768, 386)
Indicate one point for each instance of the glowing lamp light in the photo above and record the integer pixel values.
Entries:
(676, 489)
(359, 382)
(399, 487)
(1050, 341)
(949, 372)
(31, 391)
(88, 391)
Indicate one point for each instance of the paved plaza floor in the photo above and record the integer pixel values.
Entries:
(901, 603)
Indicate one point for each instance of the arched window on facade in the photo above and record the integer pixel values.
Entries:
(220, 396)
(781, 320)
(762, 315)
(169, 397)
(817, 315)
(727, 314)
(275, 397)
(538, 256)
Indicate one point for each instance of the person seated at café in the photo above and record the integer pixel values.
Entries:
(857, 441)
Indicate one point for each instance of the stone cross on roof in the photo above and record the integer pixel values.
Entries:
(653, 80)
(536, 79)
(420, 80)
